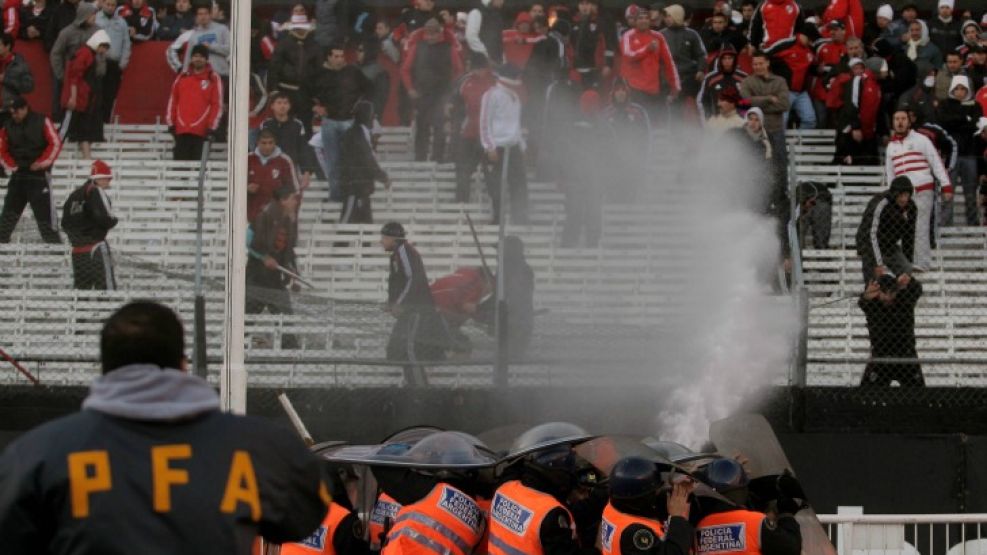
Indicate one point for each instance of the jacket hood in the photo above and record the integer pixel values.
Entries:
(960, 81)
(969, 23)
(82, 13)
(677, 14)
(265, 159)
(925, 33)
(485, 3)
(147, 392)
(98, 38)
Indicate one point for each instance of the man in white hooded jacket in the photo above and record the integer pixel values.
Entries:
(913, 155)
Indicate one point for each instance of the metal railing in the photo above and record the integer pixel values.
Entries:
(928, 534)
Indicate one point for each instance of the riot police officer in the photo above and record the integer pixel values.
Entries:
(528, 514)
(728, 526)
(631, 519)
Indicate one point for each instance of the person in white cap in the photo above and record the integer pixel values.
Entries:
(913, 155)
(944, 29)
(886, 27)
(82, 94)
(959, 115)
(918, 47)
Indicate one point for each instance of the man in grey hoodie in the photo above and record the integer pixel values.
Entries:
(151, 465)
(215, 36)
(117, 57)
(69, 40)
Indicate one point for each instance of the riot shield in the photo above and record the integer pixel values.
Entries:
(750, 435)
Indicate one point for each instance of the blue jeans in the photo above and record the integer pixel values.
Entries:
(802, 105)
(965, 174)
(332, 136)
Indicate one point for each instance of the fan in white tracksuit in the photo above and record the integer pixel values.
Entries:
(913, 155)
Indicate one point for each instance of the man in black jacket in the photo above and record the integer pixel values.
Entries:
(888, 219)
(291, 136)
(418, 333)
(87, 218)
(591, 31)
(152, 465)
(889, 305)
(335, 89)
(484, 30)
(958, 116)
(29, 145)
(359, 168)
(295, 61)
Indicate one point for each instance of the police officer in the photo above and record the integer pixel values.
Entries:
(435, 481)
(631, 519)
(87, 217)
(151, 464)
(439, 513)
(728, 526)
(529, 514)
(29, 145)
(418, 333)
(341, 532)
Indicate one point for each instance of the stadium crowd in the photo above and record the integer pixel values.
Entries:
(510, 93)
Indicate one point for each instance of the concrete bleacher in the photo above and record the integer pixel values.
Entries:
(951, 317)
(626, 287)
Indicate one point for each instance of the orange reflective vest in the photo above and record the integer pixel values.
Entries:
(615, 522)
(730, 532)
(321, 540)
(444, 522)
(516, 515)
(385, 509)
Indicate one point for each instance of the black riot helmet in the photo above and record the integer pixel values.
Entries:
(634, 477)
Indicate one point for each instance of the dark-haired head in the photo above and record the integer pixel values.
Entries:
(142, 332)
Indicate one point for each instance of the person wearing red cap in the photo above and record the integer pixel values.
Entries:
(87, 217)
(29, 145)
(726, 117)
(520, 40)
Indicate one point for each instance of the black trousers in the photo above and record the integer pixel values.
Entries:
(188, 147)
(94, 269)
(111, 87)
(469, 154)
(34, 188)
(583, 211)
(418, 335)
(517, 183)
(266, 290)
(356, 210)
(430, 127)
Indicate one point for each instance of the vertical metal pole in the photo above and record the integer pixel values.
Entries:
(500, 308)
(233, 382)
(199, 355)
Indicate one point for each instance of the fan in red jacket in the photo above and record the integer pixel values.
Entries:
(268, 169)
(856, 140)
(848, 12)
(982, 99)
(775, 25)
(195, 106)
(829, 53)
(646, 59)
(457, 297)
